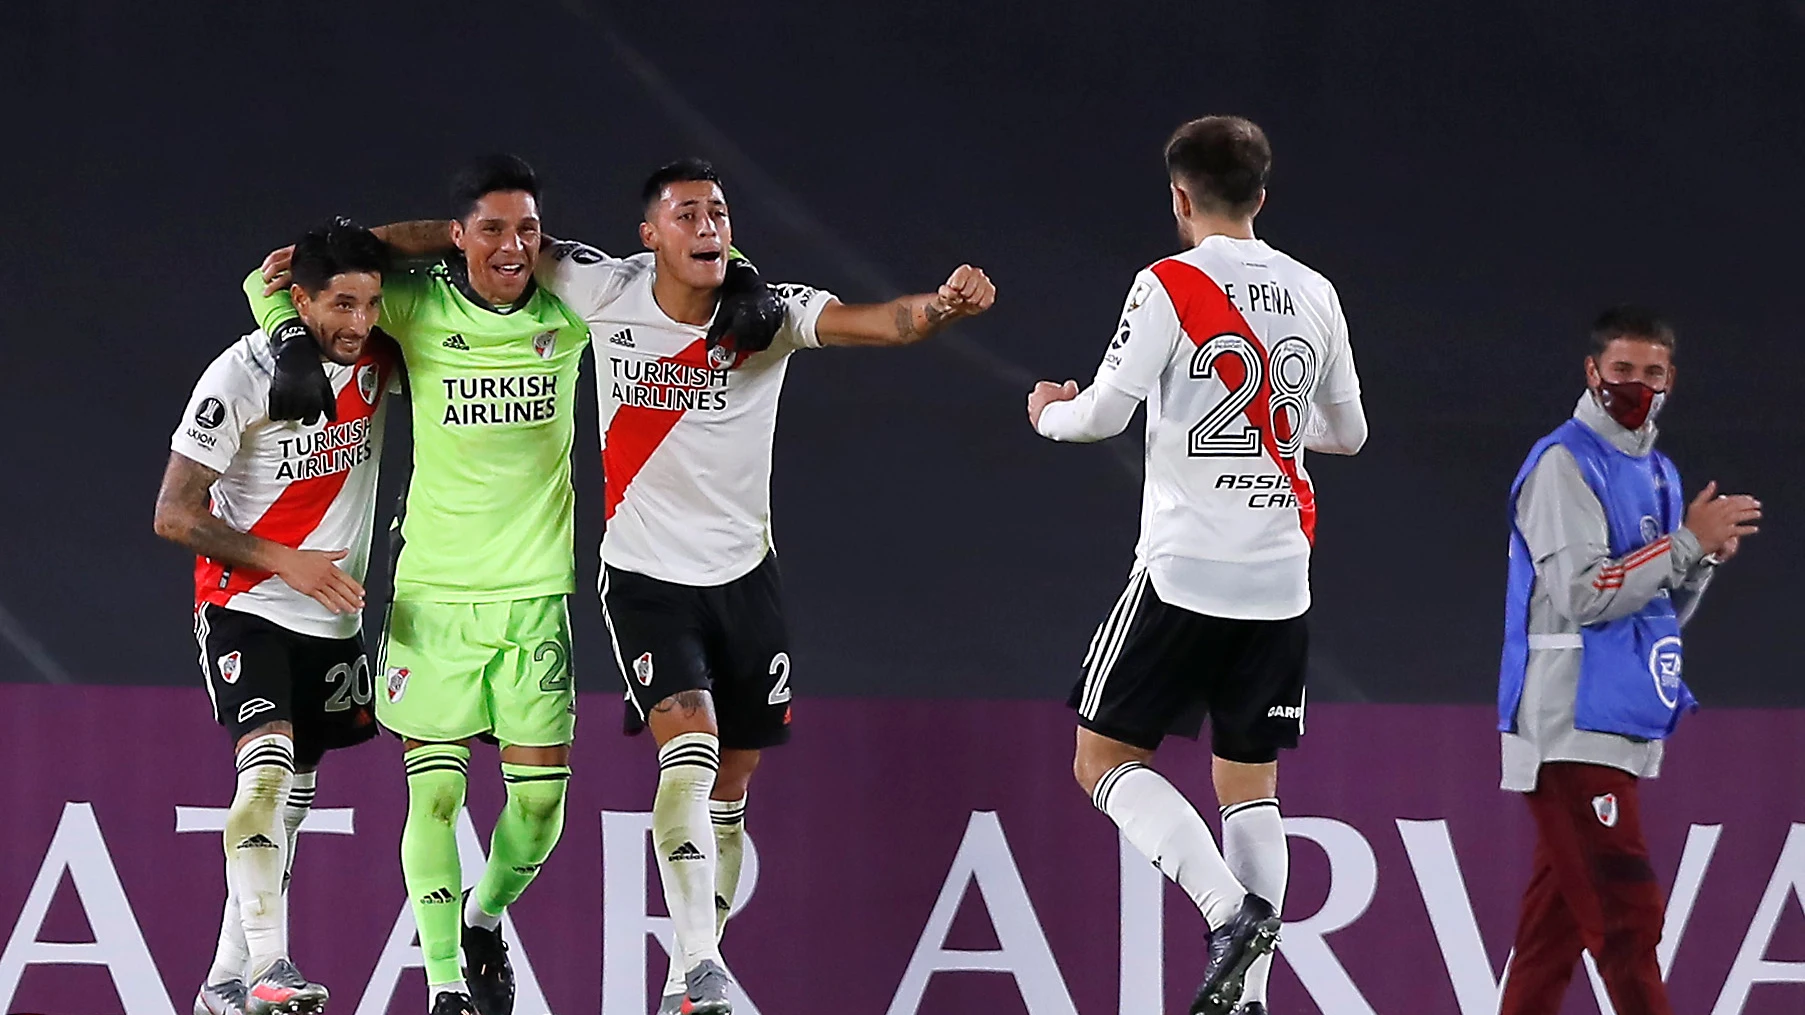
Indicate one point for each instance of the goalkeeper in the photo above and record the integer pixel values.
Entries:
(478, 638)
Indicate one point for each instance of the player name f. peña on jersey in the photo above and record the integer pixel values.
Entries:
(1232, 344)
(1241, 354)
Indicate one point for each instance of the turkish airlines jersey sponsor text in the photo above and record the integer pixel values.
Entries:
(686, 433)
(310, 487)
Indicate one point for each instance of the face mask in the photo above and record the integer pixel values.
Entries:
(1630, 403)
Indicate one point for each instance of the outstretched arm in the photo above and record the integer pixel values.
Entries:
(907, 319)
(416, 239)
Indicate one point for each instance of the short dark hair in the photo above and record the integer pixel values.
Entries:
(1633, 322)
(1223, 160)
(333, 250)
(488, 175)
(680, 171)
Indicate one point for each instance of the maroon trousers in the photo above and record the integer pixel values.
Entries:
(1592, 889)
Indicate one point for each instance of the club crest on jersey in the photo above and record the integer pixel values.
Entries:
(1651, 529)
(720, 357)
(366, 383)
(397, 683)
(1606, 809)
(545, 343)
(230, 666)
(642, 669)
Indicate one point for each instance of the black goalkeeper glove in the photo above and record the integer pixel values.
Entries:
(750, 313)
(299, 390)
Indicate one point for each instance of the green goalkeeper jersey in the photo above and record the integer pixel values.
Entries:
(490, 505)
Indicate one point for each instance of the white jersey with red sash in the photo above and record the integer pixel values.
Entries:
(1230, 343)
(309, 487)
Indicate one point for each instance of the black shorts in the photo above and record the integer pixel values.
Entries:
(259, 672)
(729, 640)
(1155, 669)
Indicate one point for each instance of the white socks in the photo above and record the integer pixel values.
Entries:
(475, 917)
(729, 817)
(683, 837)
(257, 849)
(1253, 844)
(1164, 826)
(230, 956)
(300, 802)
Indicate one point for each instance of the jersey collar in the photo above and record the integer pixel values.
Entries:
(458, 273)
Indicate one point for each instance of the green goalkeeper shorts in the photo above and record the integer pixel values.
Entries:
(457, 670)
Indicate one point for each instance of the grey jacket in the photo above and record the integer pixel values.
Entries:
(1569, 540)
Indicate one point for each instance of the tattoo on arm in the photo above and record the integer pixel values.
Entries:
(419, 238)
(907, 329)
(183, 518)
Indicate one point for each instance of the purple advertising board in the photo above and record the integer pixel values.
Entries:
(910, 857)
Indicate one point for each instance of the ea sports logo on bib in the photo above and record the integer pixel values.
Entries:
(229, 667)
(545, 343)
(1664, 665)
(1651, 529)
(397, 683)
(366, 383)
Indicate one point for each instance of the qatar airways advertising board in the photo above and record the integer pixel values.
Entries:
(908, 857)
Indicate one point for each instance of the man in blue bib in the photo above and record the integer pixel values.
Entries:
(1603, 574)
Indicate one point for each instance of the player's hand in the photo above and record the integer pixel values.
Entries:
(967, 292)
(1045, 393)
(277, 270)
(313, 573)
(299, 389)
(1728, 550)
(1717, 519)
(750, 314)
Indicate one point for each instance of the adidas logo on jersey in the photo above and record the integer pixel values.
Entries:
(622, 338)
(258, 841)
(457, 342)
(438, 896)
(687, 851)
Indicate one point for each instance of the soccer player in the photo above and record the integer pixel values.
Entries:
(690, 585)
(1603, 574)
(1241, 353)
(280, 516)
(478, 638)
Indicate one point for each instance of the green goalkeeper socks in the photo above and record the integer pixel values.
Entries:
(525, 833)
(436, 777)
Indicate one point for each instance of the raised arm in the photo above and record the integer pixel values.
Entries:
(907, 319)
(183, 518)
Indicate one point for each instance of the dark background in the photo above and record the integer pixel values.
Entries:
(1478, 180)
